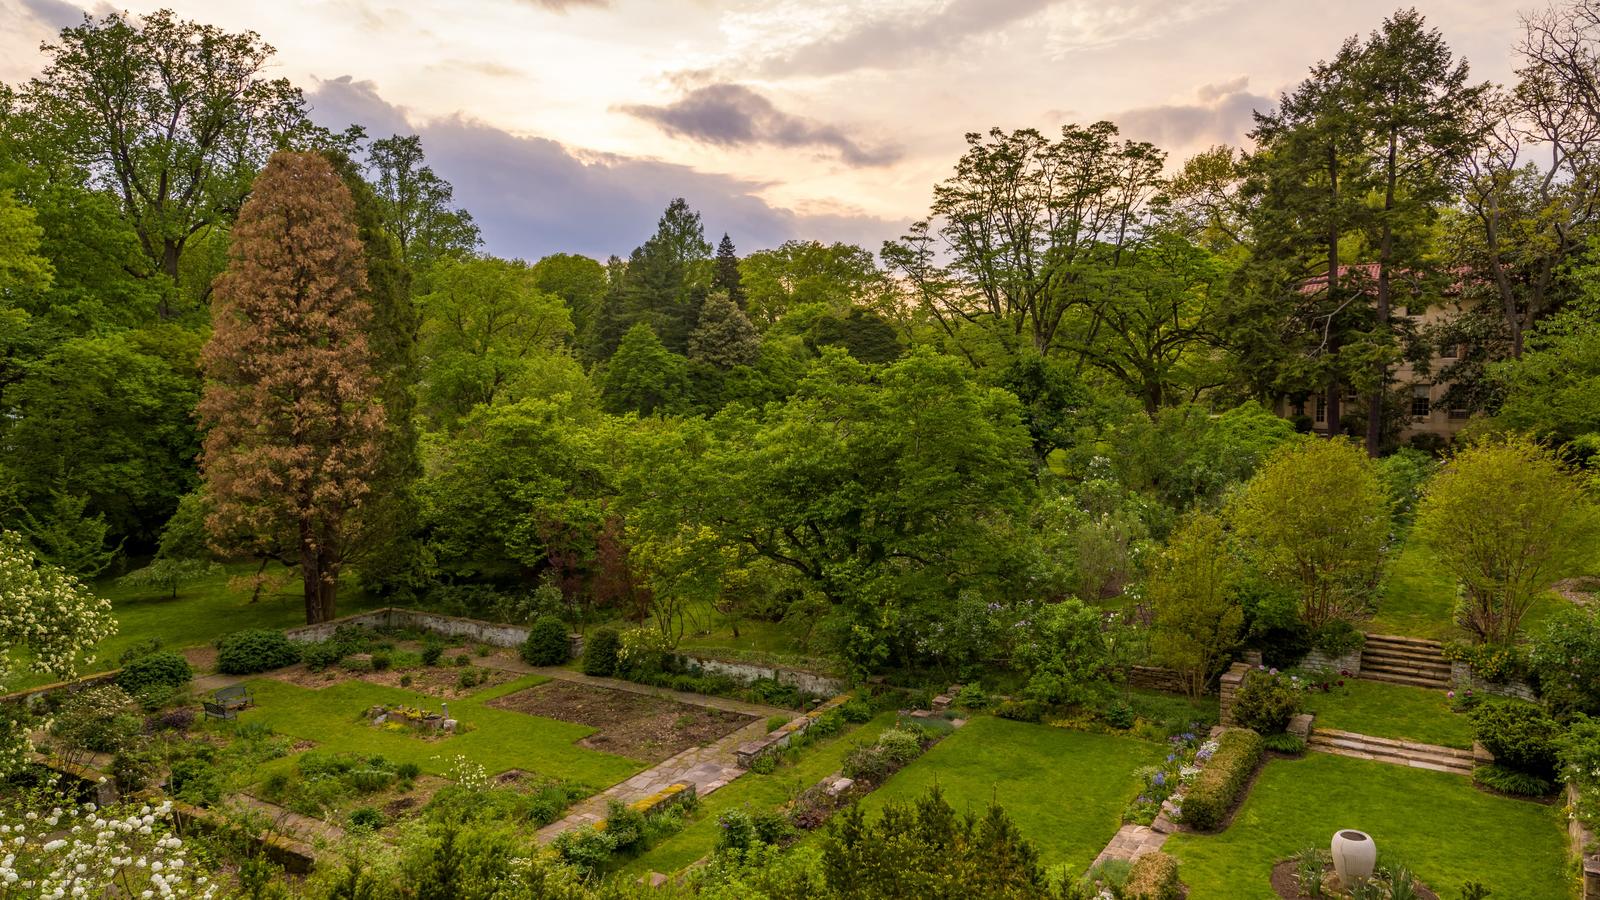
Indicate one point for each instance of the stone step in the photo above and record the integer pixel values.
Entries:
(1421, 670)
(1403, 753)
(1412, 680)
(1400, 639)
(1372, 652)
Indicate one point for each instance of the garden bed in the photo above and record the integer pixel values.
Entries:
(637, 726)
(1287, 886)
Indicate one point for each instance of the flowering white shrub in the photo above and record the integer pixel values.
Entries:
(82, 851)
(52, 614)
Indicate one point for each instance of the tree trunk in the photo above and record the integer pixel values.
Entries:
(319, 577)
(1332, 422)
(1385, 259)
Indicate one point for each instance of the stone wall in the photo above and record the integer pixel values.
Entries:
(806, 682)
(1462, 676)
(295, 857)
(497, 634)
(1579, 841)
(1156, 678)
(1322, 662)
(1229, 686)
(34, 694)
(747, 753)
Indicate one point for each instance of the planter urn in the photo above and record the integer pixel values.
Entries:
(1354, 855)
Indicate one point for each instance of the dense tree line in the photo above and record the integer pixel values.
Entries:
(226, 332)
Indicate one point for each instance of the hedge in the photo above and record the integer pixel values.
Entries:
(163, 668)
(1154, 876)
(1218, 786)
(255, 650)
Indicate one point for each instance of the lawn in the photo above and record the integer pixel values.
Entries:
(754, 792)
(1446, 830)
(202, 612)
(708, 631)
(1065, 789)
(1418, 599)
(498, 740)
(1392, 711)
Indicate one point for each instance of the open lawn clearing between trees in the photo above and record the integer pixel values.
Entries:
(1065, 789)
(755, 792)
(1391, 710)
(1419, 599)
(1440, 825)
(497, 739)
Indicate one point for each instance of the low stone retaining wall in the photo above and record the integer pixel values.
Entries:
(807, 682)
(1228, 687)
(32, 695)
(1579, 839)
(1157, 678)
(1322, 662)
(91, 781)
(496, 634)
(1462, 676)
(295, 857)
(747, 753)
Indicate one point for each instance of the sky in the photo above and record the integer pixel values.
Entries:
(568, 125)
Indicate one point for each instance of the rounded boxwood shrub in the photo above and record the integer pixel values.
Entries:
(1154, 876)
(1265, 702)
(1522, 736)
(164, 668)
(255, 650)
(547, 644)
(600, 652)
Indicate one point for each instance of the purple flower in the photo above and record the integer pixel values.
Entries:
(1450, 695)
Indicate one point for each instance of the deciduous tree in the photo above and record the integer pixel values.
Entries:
(1198, 616)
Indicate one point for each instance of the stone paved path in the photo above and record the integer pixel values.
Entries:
(291, 823)
(1132, 842)
(708, 768)
(205, 684)
(726, 704)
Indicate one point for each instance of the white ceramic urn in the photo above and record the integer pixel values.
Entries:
(1354, 855)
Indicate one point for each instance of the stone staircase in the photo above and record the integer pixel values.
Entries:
(1400, 753)
(1405, 660)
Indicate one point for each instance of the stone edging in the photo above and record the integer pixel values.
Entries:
(747, 753)
(1578, 840)
(31, 695)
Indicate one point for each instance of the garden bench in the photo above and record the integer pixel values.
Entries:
(218, 710)
(233, 697)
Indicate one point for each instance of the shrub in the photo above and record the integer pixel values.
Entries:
(1284, 742)
(1338, 637)
(180, 719)
(371, 779)
(625, 825)
(255, 650)
(1265, 702)
(600, 653)
(1491, 662)
(142, 647)
(407, 771)
(586, 849)
(1566, 661)
(195, 780)
(275, 785)
(381, 660)
(900, 745)
(405, 681)
(431, 652)
(1119, 715)
(972, 697)
(356, 664)
(736, 831)
(133, 770)
(100, 719)
(1511, 781)
(1521, 736)
(1217, 788)
(159, 669)
(866, 764)
(366, 818)
(642, 652)
(1154, 876)
(547, 644)
(461, 660)
(776, 722)
(856, 710)
(1021, 710)
(321, 655)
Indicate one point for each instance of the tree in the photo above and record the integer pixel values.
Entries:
(484, 324)
(862, 333)
(662, 285)
(1067, 655)
(1315, 520)
(66, 536)
(727, 278)
(805, 273)
(1507, 519)
(296, 425)
(51, 616)
(579, 281)
(417, 205)
(168, 575)
(724, 337)
(171, 116)
(644, 376)
(1193, 588)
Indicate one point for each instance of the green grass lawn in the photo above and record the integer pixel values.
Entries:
(498, 740)
(1446, 830)
(1392, 711)
(1065, 789)
(755, 792)
(202, 612)
(1418, 599)
(708, 631)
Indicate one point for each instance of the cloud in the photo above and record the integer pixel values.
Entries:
(896, 39)
(732, 115)
(533, 196)
(55, 13)
(564, 5)
(1221, 114)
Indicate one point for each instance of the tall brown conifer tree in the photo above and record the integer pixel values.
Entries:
(295, 426)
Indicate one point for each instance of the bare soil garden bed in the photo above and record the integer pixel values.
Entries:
(434, 681)
(649, 729)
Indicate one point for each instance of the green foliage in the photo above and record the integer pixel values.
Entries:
(1404, 474)
(1507, 519)
(1066, 655)
(1565, 661)
(547, 643)
(1218, 787)
(164, 669)
(1285, 743)
(1266, 701)
(255, 650)
(1499, 663)
(856, 710)
(1315, 520)
(724, 338)
(1508, 780)
(195, 779)
(1194, 590)
(168, 574)
(643, 376)
(100, 719)
(1522, 736)
(1338, 638)
(600, 652)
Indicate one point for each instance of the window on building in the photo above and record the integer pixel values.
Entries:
(1298, 407)
(1457, 413)
(1450, 351)
(1322, 408)
(1420, 406)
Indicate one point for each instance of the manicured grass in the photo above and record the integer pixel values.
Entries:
(1391, 711)
(708, 631)
(1446, 830)
(1418, 599)
(755, 792)
(1065, 789)
(499, 739)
